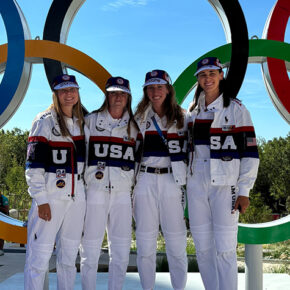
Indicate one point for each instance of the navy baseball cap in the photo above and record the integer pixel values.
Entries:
(157, 77)
(208, 63)
(64, 81)
(118, 84)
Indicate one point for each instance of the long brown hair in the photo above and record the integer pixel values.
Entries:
(77, 112)
(199, 89)
(105, 107)
(171, 109)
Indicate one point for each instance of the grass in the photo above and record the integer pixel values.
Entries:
(280, 251)
(277, 251)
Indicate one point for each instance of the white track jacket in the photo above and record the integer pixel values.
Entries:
(111, 154)
(234, 158)
(54, 163)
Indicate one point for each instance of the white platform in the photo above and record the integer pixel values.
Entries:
(132, 282)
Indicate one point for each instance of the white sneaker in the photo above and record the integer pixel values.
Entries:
(1, 252)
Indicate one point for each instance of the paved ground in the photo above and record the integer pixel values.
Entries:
(12, 264)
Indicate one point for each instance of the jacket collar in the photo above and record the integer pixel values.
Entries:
(103, 120)
(215, 106)
(141, 119)
(56, 127)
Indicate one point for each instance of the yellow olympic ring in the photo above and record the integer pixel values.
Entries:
(36, 50)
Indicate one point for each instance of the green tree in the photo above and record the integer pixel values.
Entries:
(12, 169)
(257, 212)
(15, 179)
(17, 188)
(13, 146)
(273, 180)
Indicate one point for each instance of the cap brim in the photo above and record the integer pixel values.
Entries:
(118, 88)
(66, 85)
(155, 81)
(207, 67)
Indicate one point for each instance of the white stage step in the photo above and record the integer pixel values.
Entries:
(132, 282)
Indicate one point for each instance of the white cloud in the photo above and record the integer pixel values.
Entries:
(115, 5)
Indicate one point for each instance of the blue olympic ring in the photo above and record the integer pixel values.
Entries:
(16, 49)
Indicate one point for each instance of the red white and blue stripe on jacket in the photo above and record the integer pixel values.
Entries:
(52, 155)
(228, 142)
(155, 147)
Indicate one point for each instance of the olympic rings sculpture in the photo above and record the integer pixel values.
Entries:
(272, 52)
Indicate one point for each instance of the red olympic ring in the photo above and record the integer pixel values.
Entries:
(275, 30)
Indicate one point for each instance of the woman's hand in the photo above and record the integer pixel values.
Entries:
(44, 212)
(242, 203)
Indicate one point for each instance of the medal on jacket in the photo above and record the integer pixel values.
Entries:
(99, 175)
(101, 166)
(60, 183)
(60, 173)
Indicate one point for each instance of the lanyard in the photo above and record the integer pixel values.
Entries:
(159, 131)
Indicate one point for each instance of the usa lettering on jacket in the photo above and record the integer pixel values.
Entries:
(105, 148)
(228, 143)
(176, 145)
(52, 155)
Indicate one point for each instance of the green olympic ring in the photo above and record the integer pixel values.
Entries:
(259, 49)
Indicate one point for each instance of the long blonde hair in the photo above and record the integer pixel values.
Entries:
(77, 112)
(171, 109)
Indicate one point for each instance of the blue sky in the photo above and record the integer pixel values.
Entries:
(129, 38)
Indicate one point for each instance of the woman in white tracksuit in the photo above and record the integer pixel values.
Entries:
(109, 179)
(157, 195)
(54, 174)
(223, 165)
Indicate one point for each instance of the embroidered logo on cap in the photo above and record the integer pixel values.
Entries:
(65, 77)
(120, 81)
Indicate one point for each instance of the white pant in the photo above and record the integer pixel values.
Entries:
(114, 212)
(213, 227)
(158, 200)
(64, 228)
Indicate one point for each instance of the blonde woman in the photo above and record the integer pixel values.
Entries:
(54, 174)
